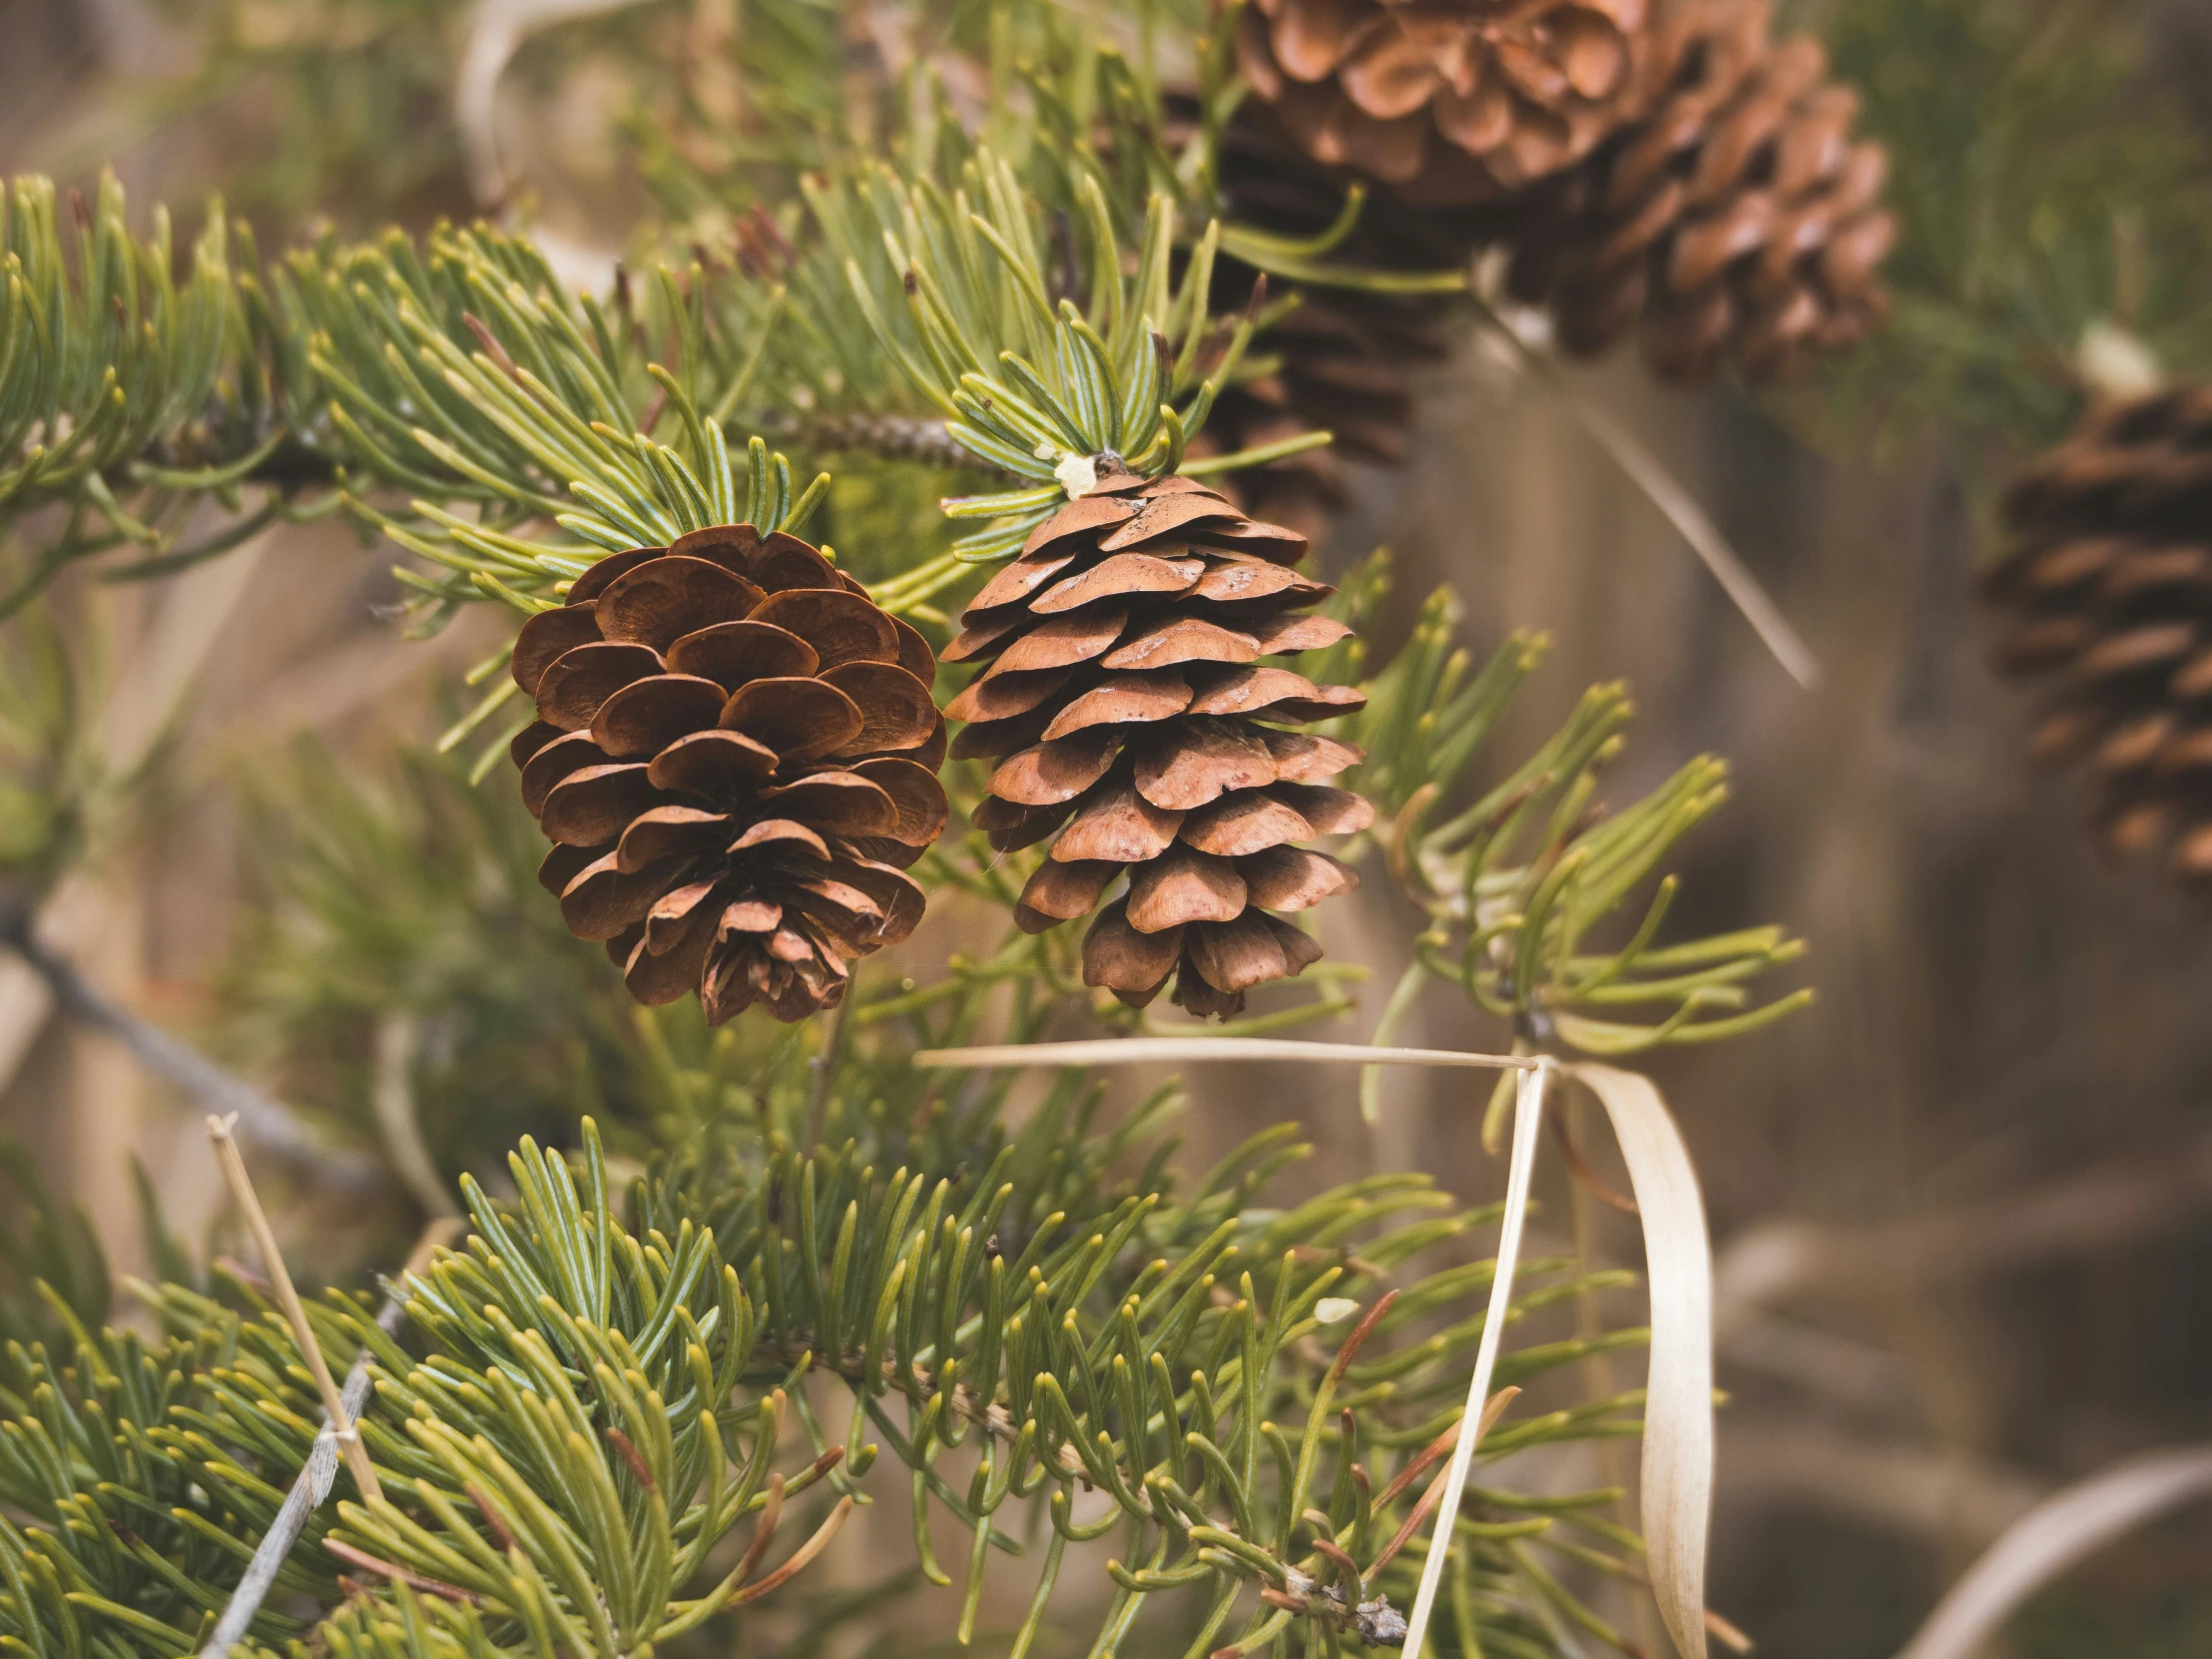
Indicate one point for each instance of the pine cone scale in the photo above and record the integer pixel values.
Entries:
(648, 715)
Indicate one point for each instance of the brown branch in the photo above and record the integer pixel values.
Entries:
(273, 1126)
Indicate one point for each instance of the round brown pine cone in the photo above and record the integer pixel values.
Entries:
(1735, 218)
(1447, 100)
(736, 756)
(1138, 726)
(2109, 579)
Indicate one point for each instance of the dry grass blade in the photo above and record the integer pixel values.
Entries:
(1678, 1409)
(1174, 1050)
(1528, 1113)
(322, 1469)
(1678, 1428)
(1680, 508)
(273, 1259)
(2057, 1532)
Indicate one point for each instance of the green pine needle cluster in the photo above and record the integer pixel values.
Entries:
(1519, 877)
(104, 356)
(603, 1423)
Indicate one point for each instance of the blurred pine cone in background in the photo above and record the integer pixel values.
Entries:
(1139, 730)
(1734, 218)
(2108, 577)
(1342, 359)
(1448, 100)
(736, 754)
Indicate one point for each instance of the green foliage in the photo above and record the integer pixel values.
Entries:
(599, 1402)
(467, 376)
(2045, 188)
(418, 901)
(757, 95)
(133, 1516)
(1041, 339)
(65, 796)
(608, 1422)
(346, 104)
(52, 784)
(52, 1268)
(104, 356)
(1515, 880)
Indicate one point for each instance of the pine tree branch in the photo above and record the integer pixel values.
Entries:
(895, 437)
(273, 1126)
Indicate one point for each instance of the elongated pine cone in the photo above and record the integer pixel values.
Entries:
(735, 756)
(1138, 725)
(1344, 361)
(1445, 100)
(2110, 577)
(1736, 217)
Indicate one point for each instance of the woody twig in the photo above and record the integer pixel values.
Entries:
(314, 1483)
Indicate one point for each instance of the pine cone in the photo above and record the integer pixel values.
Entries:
(1345, 359)
(735, 756)
(2110, 576)
(1735, 216)
(1127, 703)
(1447, 100)
(1337, 368)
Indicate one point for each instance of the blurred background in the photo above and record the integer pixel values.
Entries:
(1963, 1207)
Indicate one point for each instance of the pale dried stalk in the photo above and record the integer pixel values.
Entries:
(1129, 1051)
(273, 1259)
(1681, 509)
(1528, 1112)
(393, 1100)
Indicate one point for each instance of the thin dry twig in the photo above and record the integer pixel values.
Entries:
(317, 1475)
(272, 1125)
(287, 1297)
(1579, 1168)
(1649, 474)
